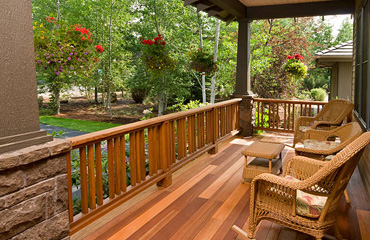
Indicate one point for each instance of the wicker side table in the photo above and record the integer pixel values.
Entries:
(267, 151)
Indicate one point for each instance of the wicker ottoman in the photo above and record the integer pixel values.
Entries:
(266, 159)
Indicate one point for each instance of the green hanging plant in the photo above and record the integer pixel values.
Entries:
(295, 68)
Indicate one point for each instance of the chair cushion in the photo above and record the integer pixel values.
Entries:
(304, 128)
(320, 145)
(308, 205)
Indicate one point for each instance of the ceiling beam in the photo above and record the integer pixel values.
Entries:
(202, 6)
(234, 7)
(302, 10)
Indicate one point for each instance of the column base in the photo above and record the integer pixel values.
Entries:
(246, 115)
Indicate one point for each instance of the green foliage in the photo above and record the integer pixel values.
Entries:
(58, 134)
(262, 118)
(79, 125)
(181, 106)
(345, 32)
(318, 94)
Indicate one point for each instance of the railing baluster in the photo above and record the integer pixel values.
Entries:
(133, 159)
(258, 113)
(110, 169)
(91, 166)
(180, 139)
(285, 117)
(191, 134)
(138, 157)
(289, 117)
(237, 116)
(83, 180)
(172, 141)
(122, 154)
(142, 154)
(216, 124)
(117, 175)
(163, 131)
(99, 175)
(270, 119)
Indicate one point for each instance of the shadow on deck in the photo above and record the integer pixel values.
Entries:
(207, 198)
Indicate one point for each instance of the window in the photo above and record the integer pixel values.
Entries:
(362, 71)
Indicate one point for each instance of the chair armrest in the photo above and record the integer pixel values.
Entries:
(318, 134)
(302, 168)
(325, 123)
(305, 121)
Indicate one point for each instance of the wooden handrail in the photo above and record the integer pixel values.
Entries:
(278, 115)
(111, 132)
(288, 101)
(144, 153)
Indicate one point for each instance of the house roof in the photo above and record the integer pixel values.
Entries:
(340, 53)
(230, 10)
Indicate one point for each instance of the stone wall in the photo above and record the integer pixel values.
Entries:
(34, 192)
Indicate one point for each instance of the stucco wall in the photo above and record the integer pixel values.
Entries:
(18, 98)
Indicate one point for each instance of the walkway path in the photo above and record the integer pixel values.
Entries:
(69, 132)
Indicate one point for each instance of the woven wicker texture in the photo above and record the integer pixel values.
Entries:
(266, 150)
(346, 133)
(315, 177)
(331, 116)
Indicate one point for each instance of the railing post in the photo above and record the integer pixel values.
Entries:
(164, 154)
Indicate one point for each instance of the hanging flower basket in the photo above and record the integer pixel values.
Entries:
(155, 55)
(295, 68)
(202, 61)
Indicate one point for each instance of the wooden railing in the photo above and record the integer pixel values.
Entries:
(110, 166)
(279, 115)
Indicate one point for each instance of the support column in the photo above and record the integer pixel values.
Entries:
(19, 121)
(243, 75)
(243, 78)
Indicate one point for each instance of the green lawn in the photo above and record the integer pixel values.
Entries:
(80, 125)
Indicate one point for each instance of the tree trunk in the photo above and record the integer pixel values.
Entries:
(200, 30)
(110, 61)
(215, 53)
(96, 94)
(161, 103)
(204, 87)
(56, 93)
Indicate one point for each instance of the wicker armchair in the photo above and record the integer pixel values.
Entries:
(274, 198)
(331, 116)
(346, 133)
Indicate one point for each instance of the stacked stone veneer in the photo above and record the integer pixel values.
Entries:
(34, 192)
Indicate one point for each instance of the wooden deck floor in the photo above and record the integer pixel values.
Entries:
(207, 198)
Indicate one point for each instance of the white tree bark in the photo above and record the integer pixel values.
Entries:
(215, 53)
(110, 63)
(204, 87)
(161, 103)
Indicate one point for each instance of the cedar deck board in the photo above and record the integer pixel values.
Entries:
(189, 214)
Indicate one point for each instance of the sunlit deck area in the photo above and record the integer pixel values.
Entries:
(207, 198)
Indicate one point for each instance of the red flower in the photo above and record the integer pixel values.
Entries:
(298, 57)
(99, 48)
(289, 57)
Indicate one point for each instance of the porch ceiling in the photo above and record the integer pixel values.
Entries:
(230, 10)
(255, 3)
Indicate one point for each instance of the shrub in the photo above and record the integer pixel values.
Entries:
(318, 94)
